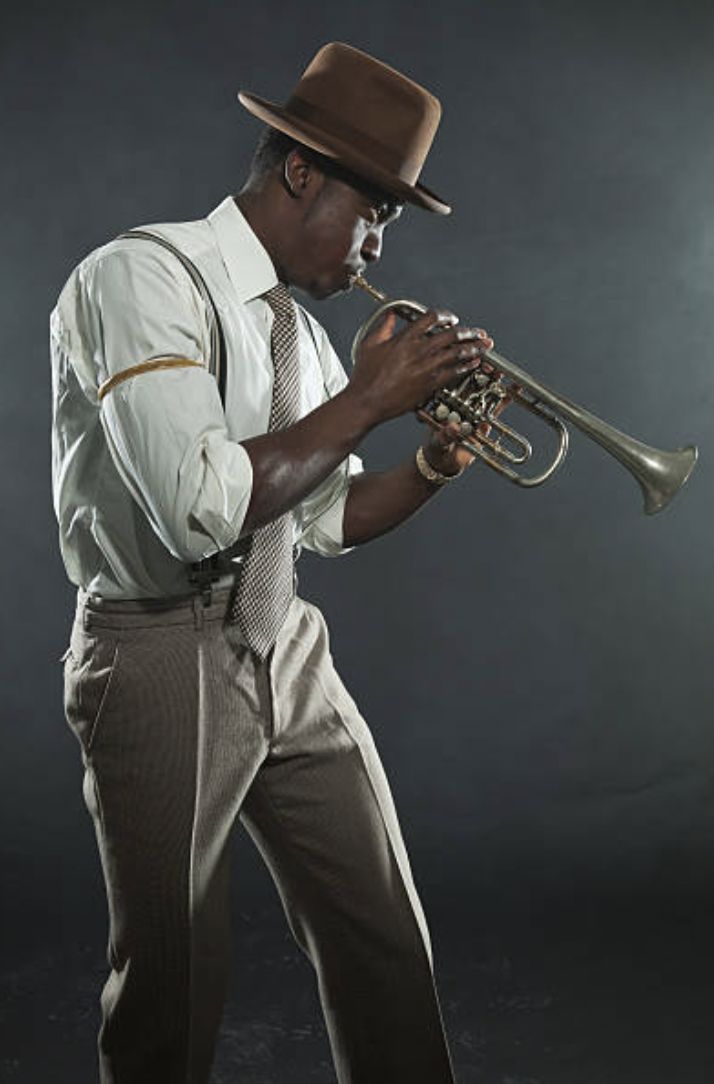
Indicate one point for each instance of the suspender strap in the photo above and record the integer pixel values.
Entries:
(202, 574)
(217, 360)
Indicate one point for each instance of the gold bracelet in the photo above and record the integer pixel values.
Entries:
(431, 475)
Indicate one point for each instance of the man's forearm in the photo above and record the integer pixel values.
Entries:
(289, 464)
(379, 501)
(393, 373)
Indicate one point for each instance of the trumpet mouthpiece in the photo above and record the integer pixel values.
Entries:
(358, 280)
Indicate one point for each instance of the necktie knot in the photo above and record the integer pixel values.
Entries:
(284, 348)
(280, 300)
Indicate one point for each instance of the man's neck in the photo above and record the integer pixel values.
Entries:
(256, 207)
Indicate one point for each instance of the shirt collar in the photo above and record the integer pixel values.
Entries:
(249, 266)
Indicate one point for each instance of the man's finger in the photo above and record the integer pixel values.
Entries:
(385, 329)
(448, 435)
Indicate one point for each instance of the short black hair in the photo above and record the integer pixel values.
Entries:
(271, 150)
(274, 146)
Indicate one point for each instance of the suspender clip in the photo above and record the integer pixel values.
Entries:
(203, 574)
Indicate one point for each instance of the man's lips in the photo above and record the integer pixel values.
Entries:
(351, 274)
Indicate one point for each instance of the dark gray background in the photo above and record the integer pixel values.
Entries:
(536, 667)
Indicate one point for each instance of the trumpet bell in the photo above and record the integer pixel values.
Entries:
(661, 474)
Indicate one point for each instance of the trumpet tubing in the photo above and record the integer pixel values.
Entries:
(474, 404)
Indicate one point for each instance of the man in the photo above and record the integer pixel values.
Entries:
(200, 687)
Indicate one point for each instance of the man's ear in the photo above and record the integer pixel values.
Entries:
(299, 173)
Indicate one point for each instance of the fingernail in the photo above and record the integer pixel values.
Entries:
(466, 333)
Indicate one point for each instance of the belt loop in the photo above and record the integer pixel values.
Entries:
(198, 608)
(202, 575)
(86, 619)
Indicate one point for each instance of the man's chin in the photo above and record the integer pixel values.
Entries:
(321, 291)
(327, 285)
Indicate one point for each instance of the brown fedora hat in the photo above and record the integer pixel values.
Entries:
(364, 115)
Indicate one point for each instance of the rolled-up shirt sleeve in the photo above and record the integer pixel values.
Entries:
(166, 429)
(322, 513)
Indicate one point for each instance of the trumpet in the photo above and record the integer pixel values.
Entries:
(475, 401)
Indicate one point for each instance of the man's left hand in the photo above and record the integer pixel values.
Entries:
(442, 451)
(444, 454)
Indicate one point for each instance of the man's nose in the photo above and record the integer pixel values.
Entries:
(372, 247)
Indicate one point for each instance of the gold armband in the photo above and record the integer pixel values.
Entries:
(168, 362)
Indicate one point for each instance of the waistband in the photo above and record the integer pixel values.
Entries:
(95, 612)
(207, 602)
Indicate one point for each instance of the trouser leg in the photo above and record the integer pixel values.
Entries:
(321, 813)
(170, 744)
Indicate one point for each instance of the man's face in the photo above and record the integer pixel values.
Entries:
(342, 234)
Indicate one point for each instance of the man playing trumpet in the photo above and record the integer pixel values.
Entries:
(199, 684)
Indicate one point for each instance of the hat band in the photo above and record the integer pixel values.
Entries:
(405, 167)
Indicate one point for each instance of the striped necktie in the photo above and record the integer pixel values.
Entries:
(266, 583)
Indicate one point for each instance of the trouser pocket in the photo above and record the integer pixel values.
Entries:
(90, 665)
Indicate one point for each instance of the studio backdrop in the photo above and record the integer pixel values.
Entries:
(535, 665)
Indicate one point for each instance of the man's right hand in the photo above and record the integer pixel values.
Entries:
(397, 372)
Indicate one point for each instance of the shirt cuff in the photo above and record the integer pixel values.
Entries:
(324, 532)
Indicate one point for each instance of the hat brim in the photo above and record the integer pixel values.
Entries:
(332, 147)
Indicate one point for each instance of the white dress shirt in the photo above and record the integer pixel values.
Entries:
(153, 476)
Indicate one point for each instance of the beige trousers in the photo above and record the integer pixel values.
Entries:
(182, 730)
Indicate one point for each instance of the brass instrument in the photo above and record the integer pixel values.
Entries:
(474, 401)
